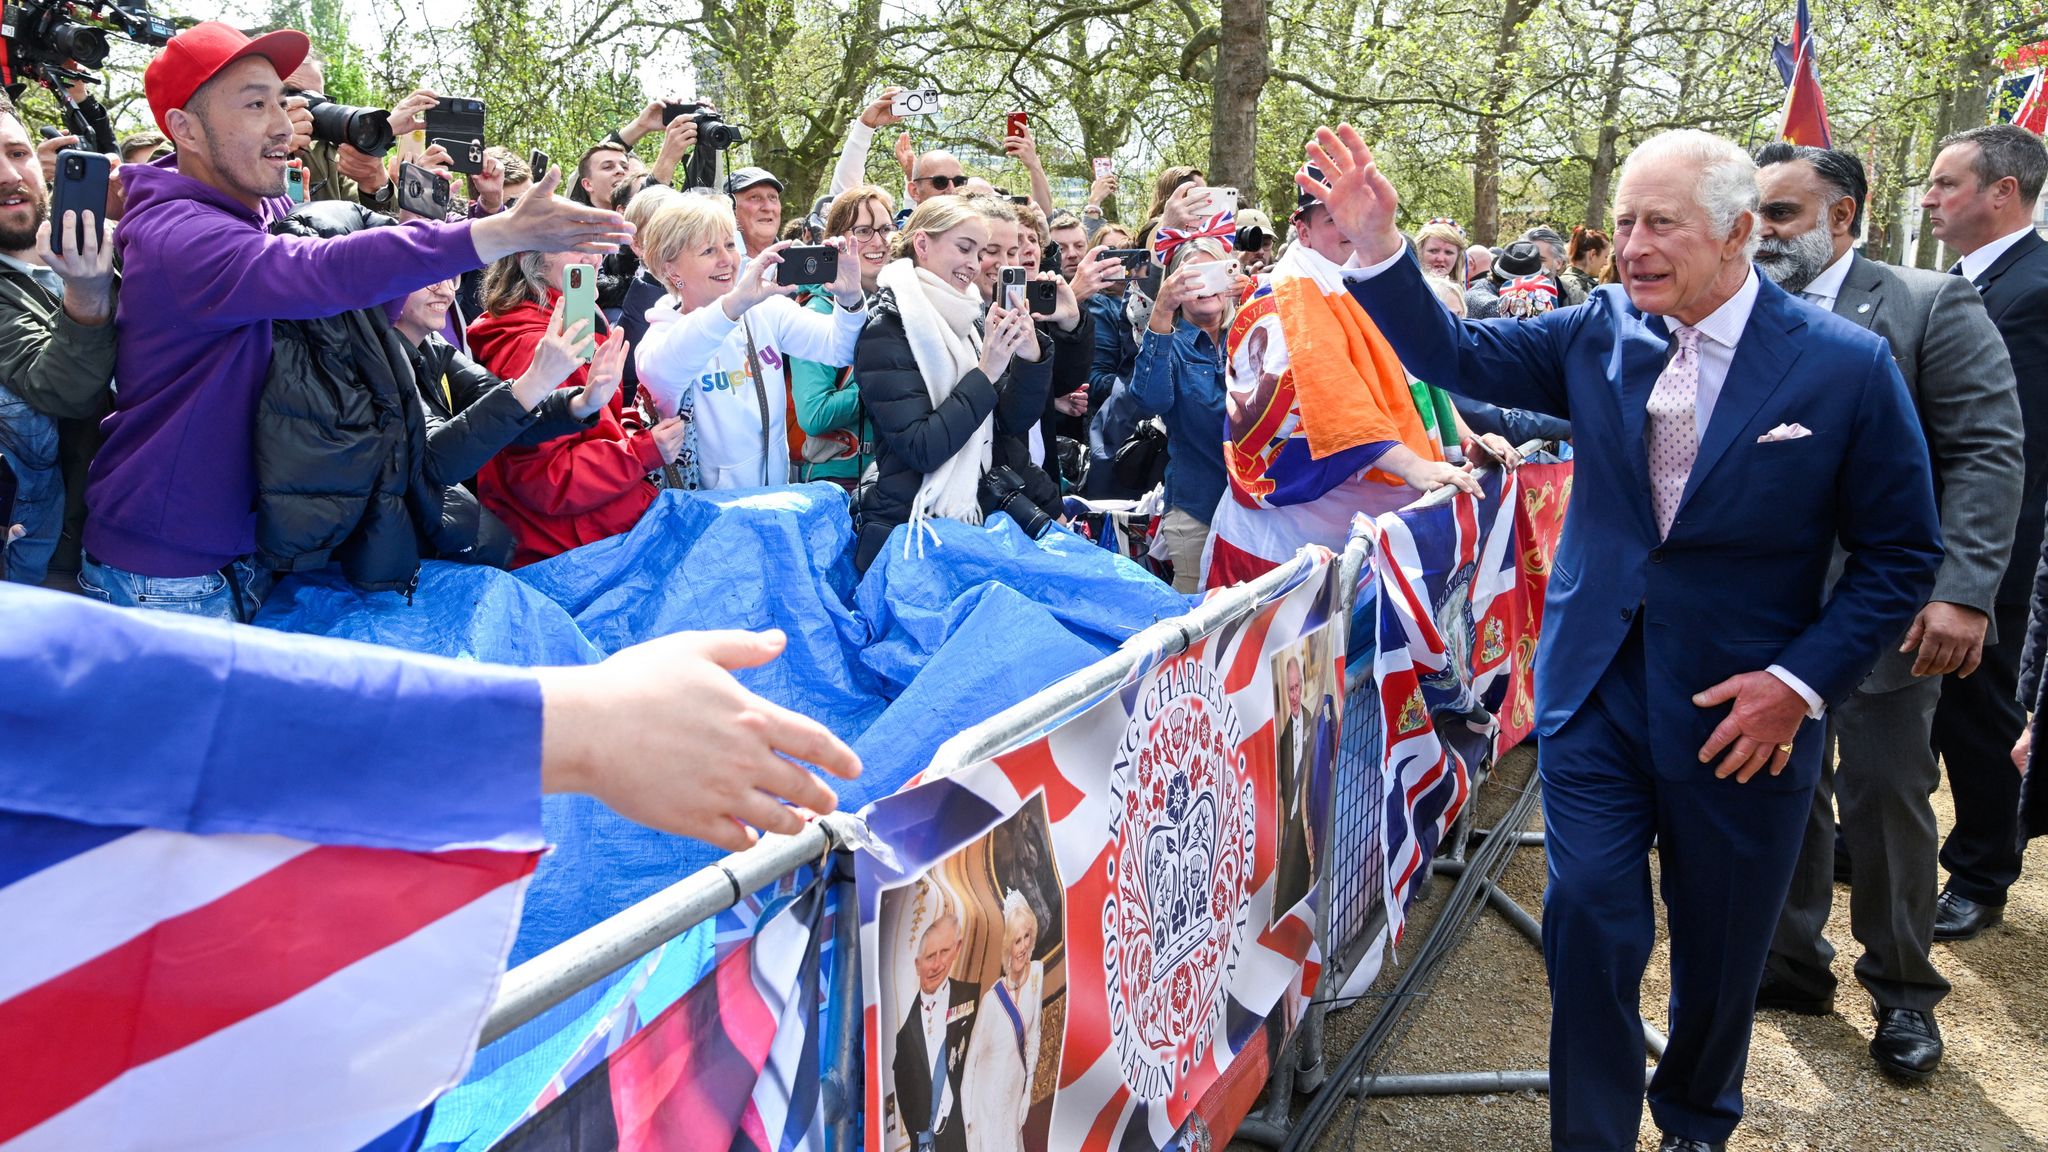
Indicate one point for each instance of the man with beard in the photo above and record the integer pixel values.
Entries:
(1884, 770)
(172, 492)
(56, 348)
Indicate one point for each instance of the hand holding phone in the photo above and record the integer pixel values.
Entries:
(1216, 277)
(81, 187)
(456, 123)
(1012, 283)
(807, 264)
(538, 163)
(423, 192)
(579, 304)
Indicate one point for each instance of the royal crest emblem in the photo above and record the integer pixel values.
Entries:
(1493, 642)
(1182, 836)
(1413, 714)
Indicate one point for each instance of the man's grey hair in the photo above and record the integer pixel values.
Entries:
(1726, 187)
(1550, 238)
(2006, 150)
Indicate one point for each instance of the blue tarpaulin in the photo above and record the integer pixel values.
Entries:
(894, 663)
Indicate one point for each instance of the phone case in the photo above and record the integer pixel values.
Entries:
(1016, 124)
(539, 163)
(807, 264)
(457, 124)
(81, 187)
(579, 301)
(423, 193)
(295, 184)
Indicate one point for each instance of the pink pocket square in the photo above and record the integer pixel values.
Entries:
(1783, 432)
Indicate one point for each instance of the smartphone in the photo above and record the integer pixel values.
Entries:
(579, 299)
(538, 163)
(1217, 276)
(1013, 280)
(808, 264)
(670, 113)
(81, 188)
(1102, 167)
(457, 124)
(424, 192)
(1212, 201)
(1043, 296)
(295, 184)
(915, 102)
(1133, 260)
(1017, 124)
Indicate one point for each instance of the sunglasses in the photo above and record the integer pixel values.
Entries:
(943, 182)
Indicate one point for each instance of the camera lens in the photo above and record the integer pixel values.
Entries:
(74, 167)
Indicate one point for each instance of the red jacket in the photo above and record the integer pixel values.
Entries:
(572, 490)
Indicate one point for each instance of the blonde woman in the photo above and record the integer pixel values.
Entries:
(951, 392)
(720, 342)
(995, 1086)
(1440, 247)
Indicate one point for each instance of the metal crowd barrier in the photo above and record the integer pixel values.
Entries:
(1350, 921)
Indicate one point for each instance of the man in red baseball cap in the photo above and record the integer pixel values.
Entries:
(172, 492)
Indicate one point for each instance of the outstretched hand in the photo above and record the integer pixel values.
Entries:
(716, 769)
(541, 222)
(1360, 198)
(1758, 731)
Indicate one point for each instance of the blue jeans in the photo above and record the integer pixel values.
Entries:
(215, 594)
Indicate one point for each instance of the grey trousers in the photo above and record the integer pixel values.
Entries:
(1882, 775)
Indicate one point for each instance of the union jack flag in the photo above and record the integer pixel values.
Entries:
(1154, 816)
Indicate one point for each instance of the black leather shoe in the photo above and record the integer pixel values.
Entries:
(1681, 1144)
(1908, 1044)
(1958, 917)
(1777, 994)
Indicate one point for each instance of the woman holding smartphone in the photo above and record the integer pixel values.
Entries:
(722, 340)
(1179, 376)
(838, 441)
(574, 489)
(952, 392)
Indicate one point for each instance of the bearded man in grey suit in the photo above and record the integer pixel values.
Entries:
(1884, 771)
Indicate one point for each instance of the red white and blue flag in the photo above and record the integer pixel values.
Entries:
(1459, 596)
(1149, 835)
(733, 1065)
(162, 989)
(1805, 119)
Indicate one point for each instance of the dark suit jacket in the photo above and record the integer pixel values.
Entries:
(1740, 583)
(2015, 290)
(1961, 383)
(1291, 863)
(913, 1069)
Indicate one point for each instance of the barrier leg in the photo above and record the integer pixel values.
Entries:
(844, 1085)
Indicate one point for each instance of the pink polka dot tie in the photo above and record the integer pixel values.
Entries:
(1674, 429)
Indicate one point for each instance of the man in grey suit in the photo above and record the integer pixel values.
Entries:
(1884, 770)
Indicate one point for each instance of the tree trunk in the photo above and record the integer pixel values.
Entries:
(1486, 152)
(1601, 178)
(1241, 71)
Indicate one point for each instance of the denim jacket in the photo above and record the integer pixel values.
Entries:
(28, 439)
(1180, 378)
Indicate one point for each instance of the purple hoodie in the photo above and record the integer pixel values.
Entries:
(173, 490)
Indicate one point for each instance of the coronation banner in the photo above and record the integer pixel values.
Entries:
(1097, 939)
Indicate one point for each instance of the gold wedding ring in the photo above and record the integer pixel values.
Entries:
(1785, 748)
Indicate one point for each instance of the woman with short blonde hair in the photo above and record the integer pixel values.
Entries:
(721, 343)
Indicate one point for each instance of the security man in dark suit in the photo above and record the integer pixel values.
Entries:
(1883, 772)
(1980, 197)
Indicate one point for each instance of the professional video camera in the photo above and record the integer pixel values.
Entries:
(48, 41)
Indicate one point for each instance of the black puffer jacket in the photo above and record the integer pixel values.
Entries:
(915, 438)
(469, 409)
(350, 466)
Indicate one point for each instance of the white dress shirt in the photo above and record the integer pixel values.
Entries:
(1979, 262)
(1827, 287)
(932, 1007)
(1720, 330)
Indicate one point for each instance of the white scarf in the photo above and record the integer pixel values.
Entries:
(938, 320)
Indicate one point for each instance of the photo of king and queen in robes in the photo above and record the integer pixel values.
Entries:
(974, 994)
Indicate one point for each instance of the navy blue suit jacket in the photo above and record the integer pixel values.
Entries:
(1740, 583)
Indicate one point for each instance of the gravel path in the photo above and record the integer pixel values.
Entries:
(1811, 1082)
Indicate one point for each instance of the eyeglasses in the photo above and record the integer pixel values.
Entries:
(862, 233)
(943, 182)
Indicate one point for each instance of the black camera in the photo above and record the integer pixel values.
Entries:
(367, 130)
(58, 32)
(1003, 489)
(714, 133)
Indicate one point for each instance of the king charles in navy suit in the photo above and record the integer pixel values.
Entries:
(1727, 435)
